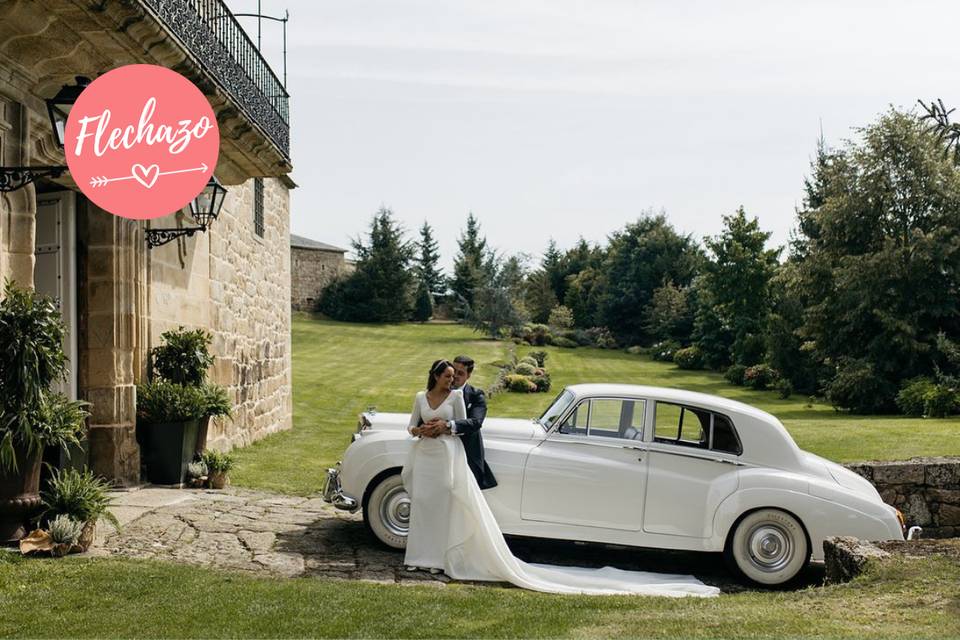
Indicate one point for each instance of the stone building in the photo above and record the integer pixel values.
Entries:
(116, 294)
(313, 265)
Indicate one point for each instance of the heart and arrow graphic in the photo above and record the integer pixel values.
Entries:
(145, 175)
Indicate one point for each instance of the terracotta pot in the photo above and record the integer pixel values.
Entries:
(19, 495)
(218, 480)
(87, 535)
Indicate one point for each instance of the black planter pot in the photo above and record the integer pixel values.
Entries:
(168, 448)
(19, 495)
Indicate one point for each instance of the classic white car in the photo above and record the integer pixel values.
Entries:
(640, 466)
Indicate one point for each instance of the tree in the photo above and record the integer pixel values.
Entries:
(423, 306)
(471, 267)
(381, 287)
(737, 277)
(539, 295)
(880, 277)
(498, 305)
(640, 258)
(669, 316)
(428, 262)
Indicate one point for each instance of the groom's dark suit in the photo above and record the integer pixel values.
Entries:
(469, 432)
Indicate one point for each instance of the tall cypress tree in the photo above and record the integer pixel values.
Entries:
(428, 262)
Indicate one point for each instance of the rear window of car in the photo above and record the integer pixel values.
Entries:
(694, 427)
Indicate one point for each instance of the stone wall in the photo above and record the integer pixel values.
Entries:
(311, 270)
(235, 284)
(926, 490)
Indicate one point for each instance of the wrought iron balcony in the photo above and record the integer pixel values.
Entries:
(209, 31)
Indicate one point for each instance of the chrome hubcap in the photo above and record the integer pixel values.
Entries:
(770, 547)
(395, 511)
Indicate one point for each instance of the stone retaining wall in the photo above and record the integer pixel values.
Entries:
(926, 490)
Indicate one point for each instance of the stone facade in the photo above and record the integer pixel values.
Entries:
(228, 280)
(926, 490)
(313, 265)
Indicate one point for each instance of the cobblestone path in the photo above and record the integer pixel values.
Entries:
(294, 536)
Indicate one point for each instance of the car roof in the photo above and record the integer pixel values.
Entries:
(670, 394)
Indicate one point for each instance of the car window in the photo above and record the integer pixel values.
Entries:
(606, 417)
(556, 409)
(691, 427)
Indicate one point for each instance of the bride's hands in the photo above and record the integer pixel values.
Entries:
(433, 428)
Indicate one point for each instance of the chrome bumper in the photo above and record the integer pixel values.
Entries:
(333, 494)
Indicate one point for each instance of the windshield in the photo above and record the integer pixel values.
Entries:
(556, 409)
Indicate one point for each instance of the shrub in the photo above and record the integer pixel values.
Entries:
(637, 350)
(735, 374)
(784, 388)
(940, 401)
(540, 357)
(65, 530)
(519, 383)
(184, 356)
(535, 335)
(530, 361)
(542, 381)
(602, 338)
(760, 376)
(663, 351)
(564, 343)
(912, 397)
(580, 336)
(525, 369)
(561, 317)
(689, 358)
(217, 462)
(162, 401)
(78, 494)
(857, 387)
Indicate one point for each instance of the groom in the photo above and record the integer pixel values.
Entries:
(468, 429)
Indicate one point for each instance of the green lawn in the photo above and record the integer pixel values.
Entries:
(341, 369)
(78, 597)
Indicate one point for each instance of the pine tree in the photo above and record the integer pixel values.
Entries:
(423, 307)
(428, 262)
(471, 268)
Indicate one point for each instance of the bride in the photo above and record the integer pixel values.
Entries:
(453, 530)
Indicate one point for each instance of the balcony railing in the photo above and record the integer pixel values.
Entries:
(209, 31)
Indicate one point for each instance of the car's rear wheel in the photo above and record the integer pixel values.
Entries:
(387, 512)
(769, 547)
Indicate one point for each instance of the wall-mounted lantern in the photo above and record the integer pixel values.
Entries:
(204, 209)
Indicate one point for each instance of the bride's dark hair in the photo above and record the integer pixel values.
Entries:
(436, 369)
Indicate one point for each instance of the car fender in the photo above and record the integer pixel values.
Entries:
(369, 456)
(820, 517)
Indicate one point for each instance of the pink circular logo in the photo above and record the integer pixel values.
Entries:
(141, 141)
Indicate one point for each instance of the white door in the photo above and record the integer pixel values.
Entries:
(692, 467)
(591, 470)
(54, 273)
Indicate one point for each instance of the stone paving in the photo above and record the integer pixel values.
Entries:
(295, 536)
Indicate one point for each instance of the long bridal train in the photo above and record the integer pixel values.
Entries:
(440, 483)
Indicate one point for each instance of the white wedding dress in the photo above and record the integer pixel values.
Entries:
(453, 529)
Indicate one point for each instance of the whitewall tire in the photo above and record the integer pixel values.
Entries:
(769, 547)
(387, 512)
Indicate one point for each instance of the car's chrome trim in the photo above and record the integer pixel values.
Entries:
(593, 441)
(332, 493)
(690, 454)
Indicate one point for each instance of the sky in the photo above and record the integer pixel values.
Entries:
(565, 118)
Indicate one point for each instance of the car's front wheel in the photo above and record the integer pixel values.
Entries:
(387, 512)
(768, 547)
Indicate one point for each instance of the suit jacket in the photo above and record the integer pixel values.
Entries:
(468, 431)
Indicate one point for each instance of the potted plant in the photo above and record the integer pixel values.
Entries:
(197, 473)
(80, 495)
(218, 464)
(64, 534)
(31, 417)
(184, 358)
(168, 417)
